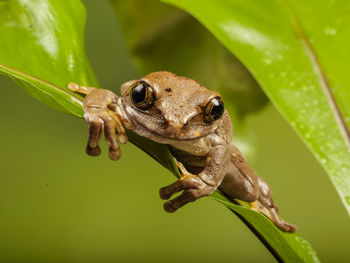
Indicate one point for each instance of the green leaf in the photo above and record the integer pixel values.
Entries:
(286, 247)
(51, 94)
(44, 38)
(51, 55)
(300, 58)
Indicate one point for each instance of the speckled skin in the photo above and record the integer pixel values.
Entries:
(203, 151)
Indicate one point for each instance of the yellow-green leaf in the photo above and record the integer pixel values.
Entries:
(299, 53)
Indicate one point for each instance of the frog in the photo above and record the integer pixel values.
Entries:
(192, 121)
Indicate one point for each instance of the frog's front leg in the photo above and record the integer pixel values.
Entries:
(100, 111)
(203, 184)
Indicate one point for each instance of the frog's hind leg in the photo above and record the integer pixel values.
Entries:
(240, 185)
(243, 183)
(80, 89)
(266, 206)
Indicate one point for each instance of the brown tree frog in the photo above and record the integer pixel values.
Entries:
(192, 121)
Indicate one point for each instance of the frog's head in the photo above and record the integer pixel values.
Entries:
(171, 106)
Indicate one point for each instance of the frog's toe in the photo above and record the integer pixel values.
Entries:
(110, 123)
(193, 188)
(186, 182)
(101, 120)
(93, 151)
(186, 197)
(115, 154)
(95, 132)
(271, 212)
(80, 89)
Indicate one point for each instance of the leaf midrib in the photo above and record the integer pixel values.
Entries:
(25, 76)
(34, 78)
(315, 62)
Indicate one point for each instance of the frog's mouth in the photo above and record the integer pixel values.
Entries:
(165, 138)
(160, 130)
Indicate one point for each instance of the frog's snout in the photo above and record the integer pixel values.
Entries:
(174, 129)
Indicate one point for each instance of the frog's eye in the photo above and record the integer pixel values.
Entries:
(214, 110)
(142, 95)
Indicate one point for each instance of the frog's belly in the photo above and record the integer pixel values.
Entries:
(196, 147)
(194, 164)
(191, 153)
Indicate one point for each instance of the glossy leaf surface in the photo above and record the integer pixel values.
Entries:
(51, 94)
(44, 38)
(299, 57)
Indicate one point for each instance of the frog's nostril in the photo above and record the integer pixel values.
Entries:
(174, 129)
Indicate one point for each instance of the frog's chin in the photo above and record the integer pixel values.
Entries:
(181, 137)
(164, 138)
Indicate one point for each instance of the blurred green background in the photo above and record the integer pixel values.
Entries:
(58, 204)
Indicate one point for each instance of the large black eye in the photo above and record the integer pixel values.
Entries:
(142, 95)
(214, 110)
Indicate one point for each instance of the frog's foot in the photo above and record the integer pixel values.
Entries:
(266, 206)
(102, 120)
(272, 214)
(99, 111)
(192, 186)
